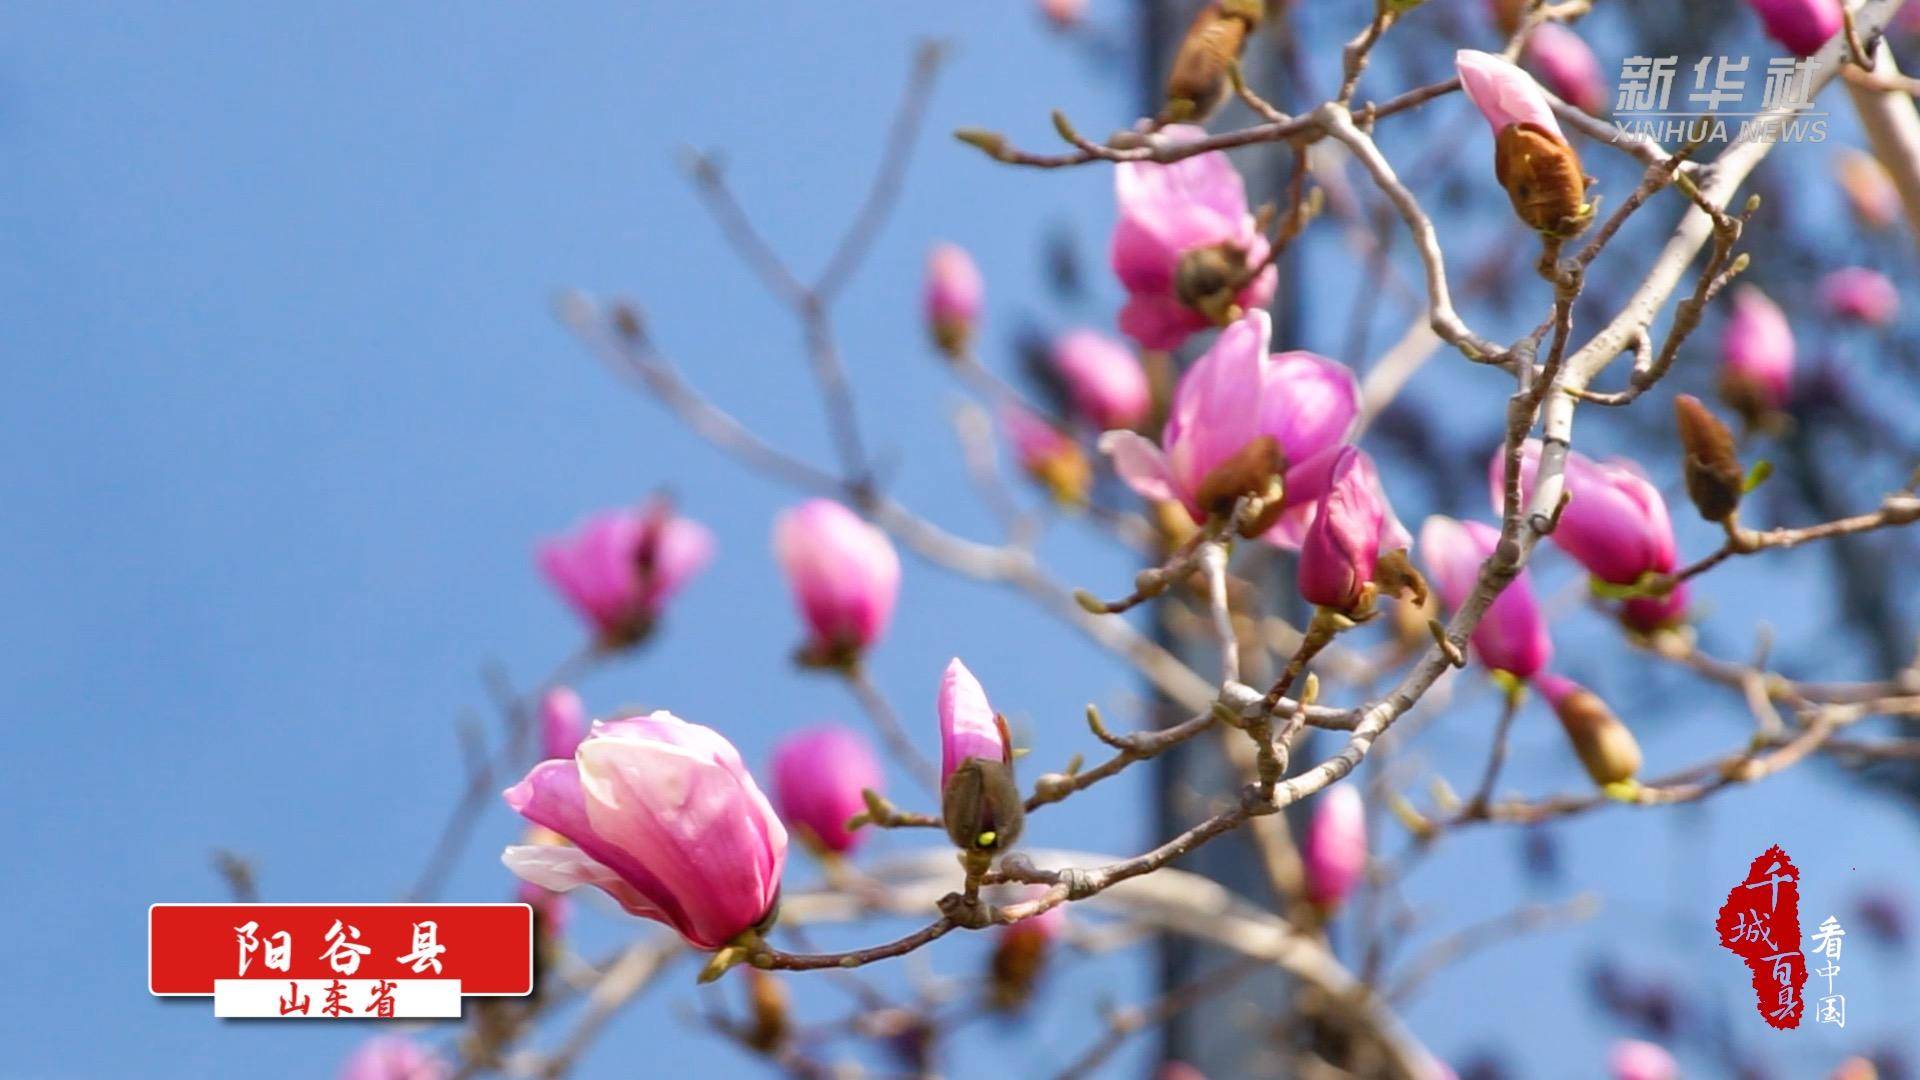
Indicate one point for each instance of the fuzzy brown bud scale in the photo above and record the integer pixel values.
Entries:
(1604, 745)
(1543, 178)
(1715, 479)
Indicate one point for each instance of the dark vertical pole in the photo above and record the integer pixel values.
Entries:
(1224, 1038)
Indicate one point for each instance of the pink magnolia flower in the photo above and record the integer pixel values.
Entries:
(394, 1057)
(1512, 635)
(1567, 66)
(1351, 526)
(1756, 353)
(1232, 398)
(1632, 1059)
(1503, 93)
(818, 775)
(1334, 854)
(969, 728)
(1183, 244)
(1857, 293)
(563, 722)
(619, 567)
(953, 296)
(1800, 25)
(844, 573)
(551, 909)
(665, 819)
(1104, 379)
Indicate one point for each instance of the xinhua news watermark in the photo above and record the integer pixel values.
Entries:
(1717, 108)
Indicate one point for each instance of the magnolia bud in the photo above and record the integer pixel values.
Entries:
(980, 804)
(1198, 82)
(1603, 743)
(1714, 477)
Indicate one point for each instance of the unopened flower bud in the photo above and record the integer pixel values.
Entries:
(1199, 80)
(1602, 742)
(1756, 356)
(980, 803)
(563, 722)
(1861, 295)
(1049, 457)
(1334, 854)
(1103, 379)
(1352, 528)
(1567, 66)
(953, 296)
(1714, 477)
(820, 777)
(845, 578)
(1800, 25)
(1532, 158)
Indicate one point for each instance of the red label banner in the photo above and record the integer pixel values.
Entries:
(486, 948)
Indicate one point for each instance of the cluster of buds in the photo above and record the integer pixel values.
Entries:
(1532, 158)
(619, 567)
(845, 578)
(1203, 66)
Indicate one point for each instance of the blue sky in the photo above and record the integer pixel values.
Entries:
(285, 410)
